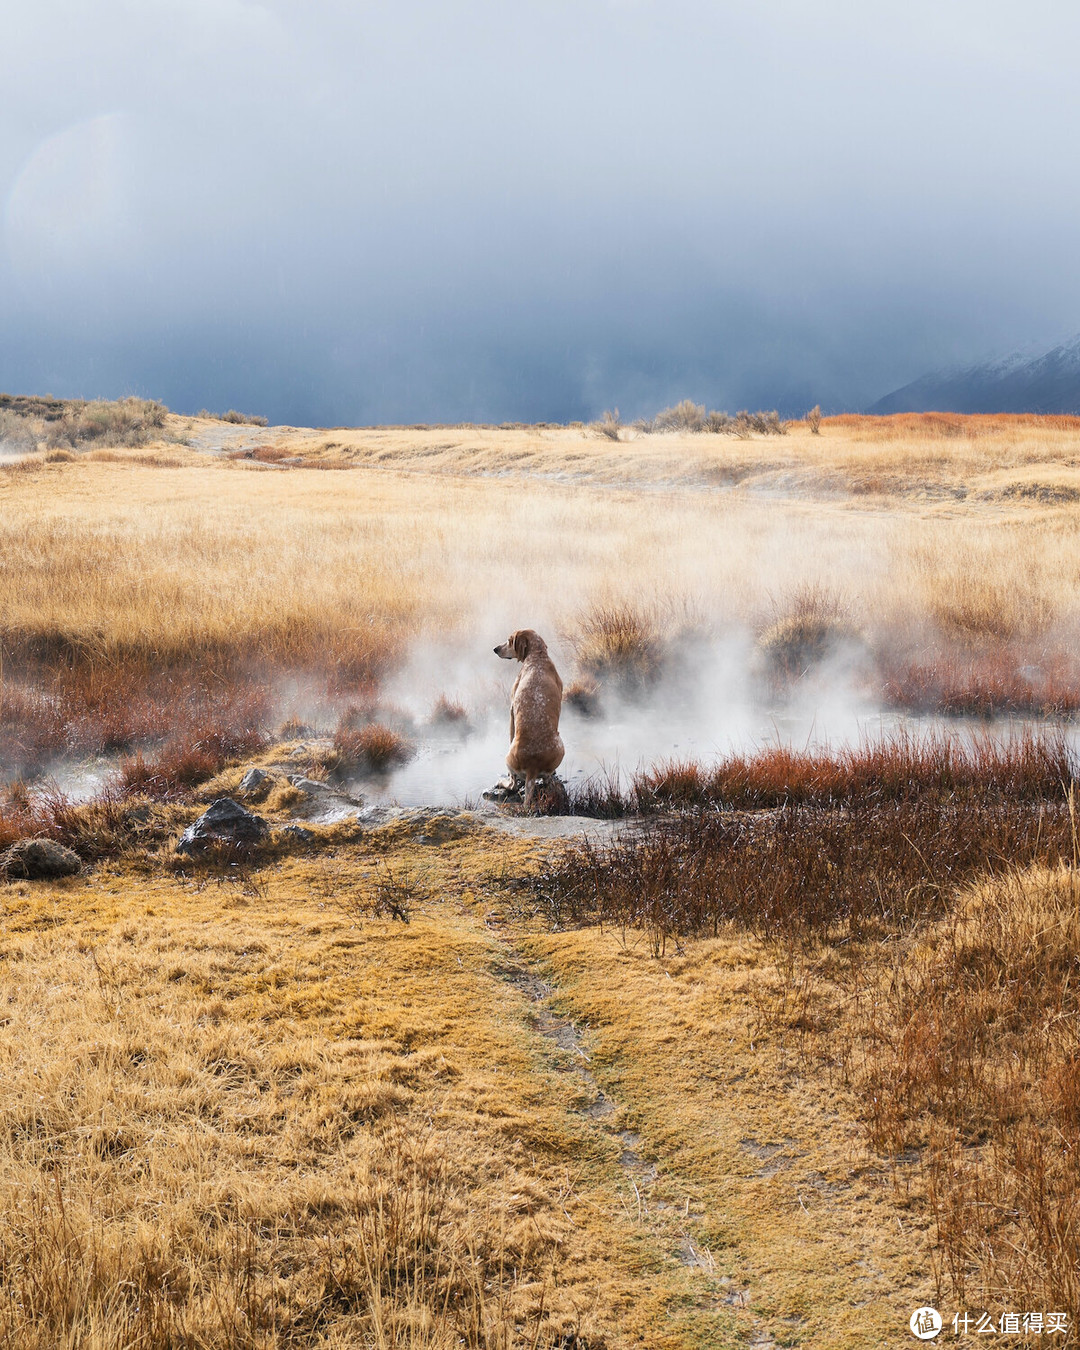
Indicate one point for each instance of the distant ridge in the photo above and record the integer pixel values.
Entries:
(1025, 381)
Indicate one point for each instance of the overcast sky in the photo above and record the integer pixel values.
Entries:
(332, 211)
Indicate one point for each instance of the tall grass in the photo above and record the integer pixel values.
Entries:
(806, 628)
(967, 1050)
(1028, 768)
(620, 643)
(801, 871)
(127, 595)
(371, 748)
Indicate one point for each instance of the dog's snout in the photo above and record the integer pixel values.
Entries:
(495, 650)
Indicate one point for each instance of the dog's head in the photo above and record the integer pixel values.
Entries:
(519, 645)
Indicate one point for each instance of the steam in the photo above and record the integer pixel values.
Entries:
(711, 699)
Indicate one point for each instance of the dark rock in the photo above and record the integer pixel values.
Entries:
(223, 822)
(298, 835)
(38, 860)
(508, 789)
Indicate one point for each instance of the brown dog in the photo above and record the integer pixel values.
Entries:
(536, 747)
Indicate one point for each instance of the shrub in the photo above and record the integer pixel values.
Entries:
(619, 642)
(804, 632)
(720, 422)
(684, 416)
(17, 436)
(244, 419)
(127, 421)
(813, 419)
(370, 749)
(761, 423)
(609, 425)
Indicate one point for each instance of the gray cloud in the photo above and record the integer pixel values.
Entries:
(335, 211)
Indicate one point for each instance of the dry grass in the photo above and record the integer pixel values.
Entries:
(241, 1109)
(921, 906)
(952, 557)
(214, 1138)
(295, 1102)
(798, 871)
(969, 1054)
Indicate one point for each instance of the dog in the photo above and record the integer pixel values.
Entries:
(536, 747)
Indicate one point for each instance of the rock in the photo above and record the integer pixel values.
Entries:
(424, 824)
(508, 789)
(309, 785)
(223, 822)
(38, 860)
(551, 796)
(298, 835)
(254, 781)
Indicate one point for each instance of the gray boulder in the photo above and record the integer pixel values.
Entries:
(255, 780)
(223, 822)
(38, 860)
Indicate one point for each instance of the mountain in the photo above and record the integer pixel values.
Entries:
(1025, 381)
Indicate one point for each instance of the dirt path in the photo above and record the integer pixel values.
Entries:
(743, 1164)
(735, 1162)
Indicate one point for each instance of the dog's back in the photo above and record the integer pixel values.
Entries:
(536, 747)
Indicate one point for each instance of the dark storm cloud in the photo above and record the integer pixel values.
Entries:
(337, 212)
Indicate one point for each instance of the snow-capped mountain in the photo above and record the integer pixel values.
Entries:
(1028, 380)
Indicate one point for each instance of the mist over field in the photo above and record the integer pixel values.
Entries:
(353, 214)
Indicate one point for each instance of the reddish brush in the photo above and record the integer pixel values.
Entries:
(370, 749)
(1028, 766)
(800, 870)
(985, 684)
(81, 709)
(97, 829)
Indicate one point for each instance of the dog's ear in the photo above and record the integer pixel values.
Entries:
(521, 645)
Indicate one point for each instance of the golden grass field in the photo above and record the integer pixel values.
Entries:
(242, 1107)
